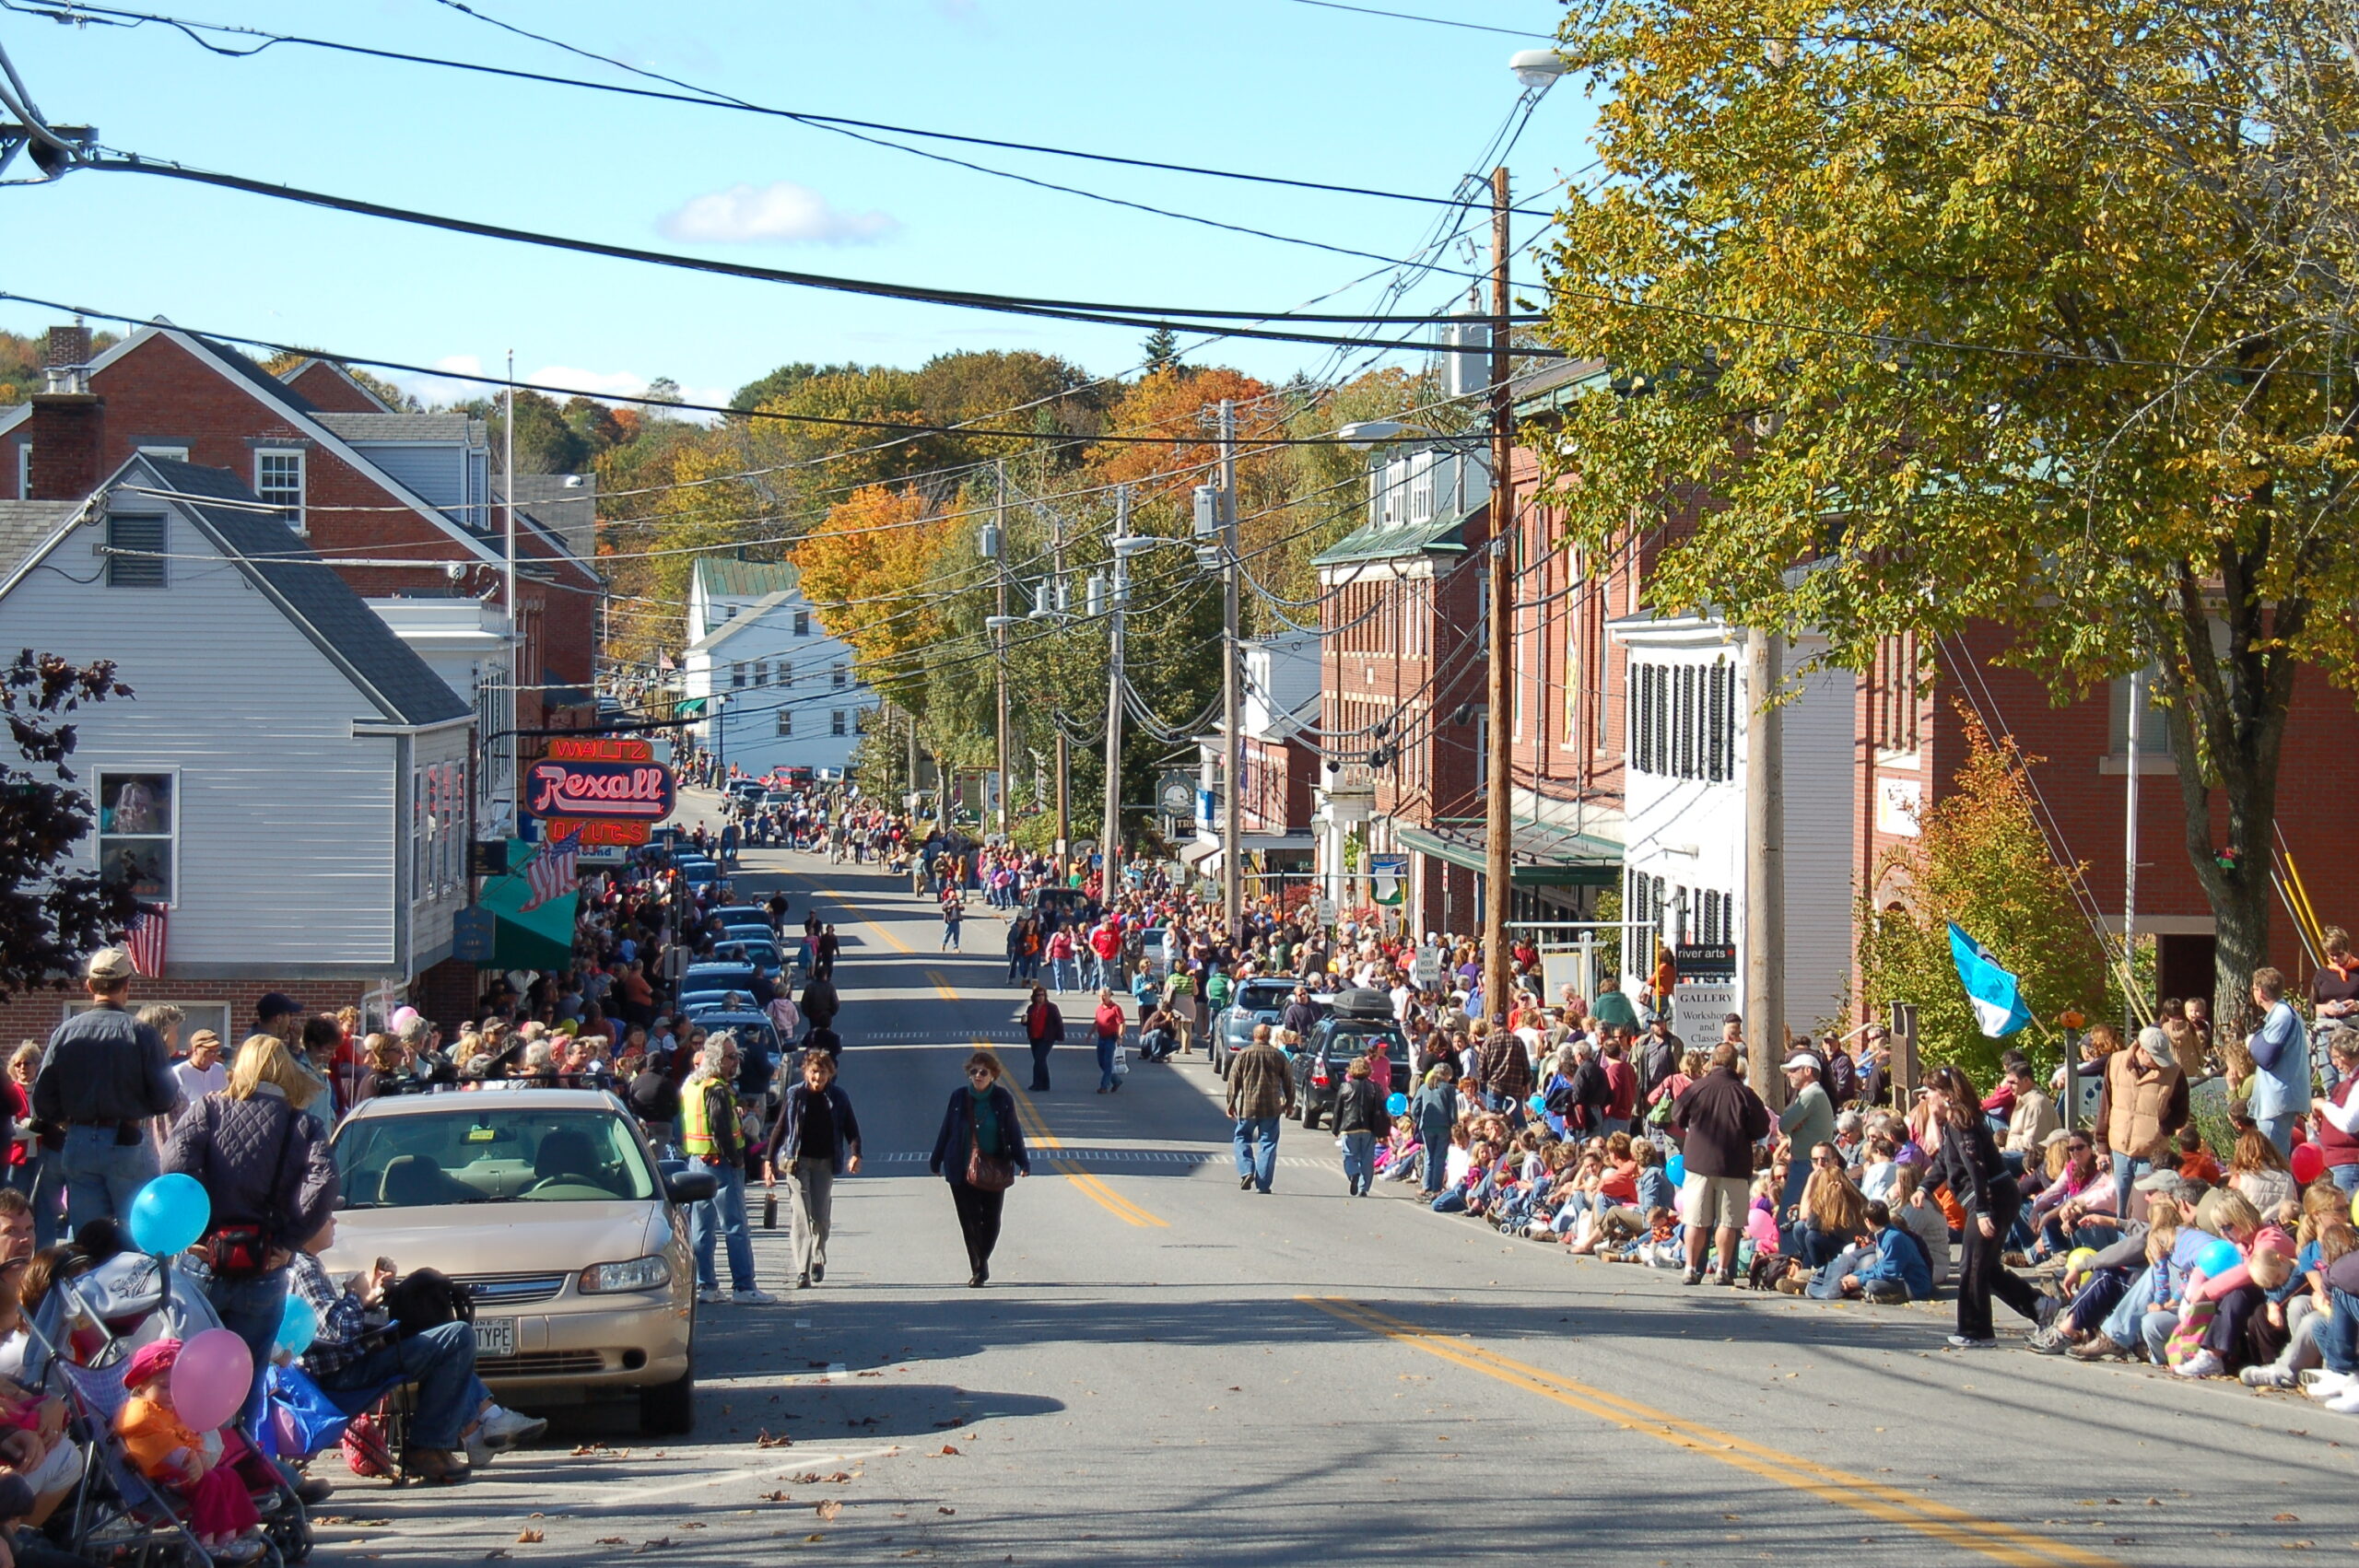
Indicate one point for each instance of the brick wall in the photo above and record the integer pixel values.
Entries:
(32, 1015)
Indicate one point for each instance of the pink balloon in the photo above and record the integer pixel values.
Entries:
(2309, 1163)
(211, 1379)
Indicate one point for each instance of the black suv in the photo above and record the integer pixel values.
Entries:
(1355, 1021)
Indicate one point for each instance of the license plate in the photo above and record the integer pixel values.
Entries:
(495, 1335)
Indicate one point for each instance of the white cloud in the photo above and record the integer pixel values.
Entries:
(780, 213)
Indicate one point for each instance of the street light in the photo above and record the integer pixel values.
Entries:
(1537, 69)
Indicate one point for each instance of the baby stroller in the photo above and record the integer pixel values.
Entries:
(81, 1340)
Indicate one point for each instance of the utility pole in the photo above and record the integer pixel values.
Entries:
(2130, 862)
(1498, 860)
(1118, 597)
(1765, 866)
(1064, 748)
(999, 523)
(1232, 706)
(515, 632)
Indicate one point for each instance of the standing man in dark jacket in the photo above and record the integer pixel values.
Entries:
(820, 1003)
(1587, 1092)
(1261, 1090)
(1044, 1028)
(103, 1075)
(1360, 1120)
(1717, 1120)
(817, 1137)
(1302, 1014)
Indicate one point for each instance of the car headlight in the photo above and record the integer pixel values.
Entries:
(651, 1273)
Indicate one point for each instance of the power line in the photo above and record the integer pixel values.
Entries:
(697, 97)
(1430, 21)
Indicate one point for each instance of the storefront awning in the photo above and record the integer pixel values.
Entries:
(538, 938)
(1543, 855)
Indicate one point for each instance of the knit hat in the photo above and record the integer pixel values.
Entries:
(2272, 1238)
(150, 1362)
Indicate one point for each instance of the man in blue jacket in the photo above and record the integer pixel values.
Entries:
(2280, 1049)
(1899, 1271)
(818, 1140)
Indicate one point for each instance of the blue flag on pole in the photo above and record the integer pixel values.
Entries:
(1997, 1001)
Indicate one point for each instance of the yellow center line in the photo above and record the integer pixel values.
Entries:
(1036, 1129)
(2002, 1543)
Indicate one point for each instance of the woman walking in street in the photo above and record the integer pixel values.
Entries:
(1965, 1160)
(1110, 1023)
(1360, 1120)
(954, 910)
(979, 1151)
(817, 1137)
(1044, 1026)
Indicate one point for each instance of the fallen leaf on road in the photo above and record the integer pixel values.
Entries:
(766, 1441)
(656, 1545)
(868, 1374)
(529, 1537)
(841, 1476)
(2286, 1518)
(828, 1509)
(610, 1540)
(776, 1497)
(946, 1451)
(815, 1539)
(946, 1510)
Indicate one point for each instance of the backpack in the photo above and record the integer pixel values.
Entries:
(427, 1298)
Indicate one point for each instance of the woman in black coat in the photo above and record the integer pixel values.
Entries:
(980, 1127)
(1966, 1161)
(1044, 1028)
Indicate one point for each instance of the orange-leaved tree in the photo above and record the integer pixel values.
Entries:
(873, 570)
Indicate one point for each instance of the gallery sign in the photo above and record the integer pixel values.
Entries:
(600, 792)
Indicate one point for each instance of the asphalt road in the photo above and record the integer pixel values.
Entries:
(1167, 1369)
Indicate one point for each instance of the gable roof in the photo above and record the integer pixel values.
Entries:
(391, 425)
(1438, 534)
(308, 592)
(291, 404)
(735, 624)
(729, 577)
(347, 382)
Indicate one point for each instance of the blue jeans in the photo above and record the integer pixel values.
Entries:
(1105, 1043)
(2121, 1323)
(722, 1214)
(2127, 1173)
(102, 1176)
(2278, 1130)
(441, 1361)
(1257, 1149)
(1064, 974)
(253, 1308)
(2338, 1336)
(2346, 1178)
(1359, 1160)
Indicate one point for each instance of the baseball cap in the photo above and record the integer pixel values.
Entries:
(110, 965)
(2158, 1046)
(1802, 1058)
(274, 1004)
(2169, 1184)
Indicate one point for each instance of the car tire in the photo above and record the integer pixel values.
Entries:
(669, 1409)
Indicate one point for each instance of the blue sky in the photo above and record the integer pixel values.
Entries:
(1269, 86)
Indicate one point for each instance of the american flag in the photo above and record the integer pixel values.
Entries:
(144, 938)
(552, 872)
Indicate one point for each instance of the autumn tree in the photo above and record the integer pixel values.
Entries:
(51, 916)
(1978, 859)
(2034, 316)
(872, 572)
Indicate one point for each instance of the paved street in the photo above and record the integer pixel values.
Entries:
(1167, 1369)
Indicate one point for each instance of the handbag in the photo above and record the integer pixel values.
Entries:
(989, 1172)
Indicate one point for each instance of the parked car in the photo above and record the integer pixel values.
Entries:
(748, 917)
(550, 1206)
(717, 976)
(1356, 1020)
(758, 951)
(1259, 1001)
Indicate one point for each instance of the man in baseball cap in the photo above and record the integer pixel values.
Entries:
(103, 1074)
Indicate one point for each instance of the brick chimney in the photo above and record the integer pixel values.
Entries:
(66, 346)
(67, 420)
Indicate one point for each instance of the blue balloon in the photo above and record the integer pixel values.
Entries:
(1398, 1104)
(2218, 1258)
(1675, 1168)
(1539, 1103)
(299, 1325)
(168, 1214)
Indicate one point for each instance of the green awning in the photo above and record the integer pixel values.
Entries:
(690, 707)
(539, 938)
(1544, 855)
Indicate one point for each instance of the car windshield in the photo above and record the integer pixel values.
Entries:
(1258, 996)
(718, 977)
(487, 1149)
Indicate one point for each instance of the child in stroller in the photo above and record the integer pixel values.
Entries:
(201, 1468)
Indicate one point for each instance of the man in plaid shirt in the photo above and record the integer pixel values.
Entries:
(358, 1352)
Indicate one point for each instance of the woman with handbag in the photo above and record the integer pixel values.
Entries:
(263, 1158)
(980, 1152)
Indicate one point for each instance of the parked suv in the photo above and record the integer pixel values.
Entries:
(1258, 1001)
(1354, 1022)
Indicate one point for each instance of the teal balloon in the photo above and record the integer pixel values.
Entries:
(2218, 1258)
(1398, 1104)
(168, 1214)
(1675, 1168)
(299, 1325)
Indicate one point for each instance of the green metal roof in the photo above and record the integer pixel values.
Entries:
(1388, 542)
(726, 576)
(1543, 854)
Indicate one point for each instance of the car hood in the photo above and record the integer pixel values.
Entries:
(497, 1238)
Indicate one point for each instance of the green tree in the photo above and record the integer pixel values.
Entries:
(2036, 317)
(1980, 860)
(51, 915)
(1162, 351)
